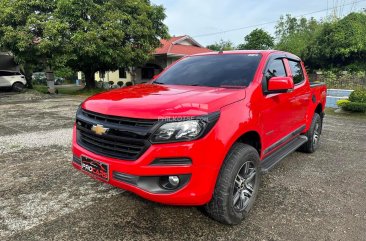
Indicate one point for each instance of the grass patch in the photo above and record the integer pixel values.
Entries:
(40, 88)
(69, 90)
(330, 111)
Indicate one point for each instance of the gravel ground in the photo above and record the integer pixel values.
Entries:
(321, 196)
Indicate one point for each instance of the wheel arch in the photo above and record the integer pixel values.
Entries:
(17, 82)
(251, 138)
(319, 109)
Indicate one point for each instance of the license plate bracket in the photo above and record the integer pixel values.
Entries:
(95, 168)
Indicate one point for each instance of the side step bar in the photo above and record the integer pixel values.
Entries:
(269, 162)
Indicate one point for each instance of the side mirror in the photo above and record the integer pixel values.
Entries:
(280, 85)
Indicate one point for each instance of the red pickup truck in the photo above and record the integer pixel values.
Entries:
(203, 131)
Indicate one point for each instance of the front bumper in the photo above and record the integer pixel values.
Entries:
(201, 172)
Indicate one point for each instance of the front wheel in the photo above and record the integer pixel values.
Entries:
(237, 185)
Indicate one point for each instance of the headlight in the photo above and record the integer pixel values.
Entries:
(184, 130)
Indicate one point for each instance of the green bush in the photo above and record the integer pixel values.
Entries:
(358, 96)
(120, 83)
(343, 103)
(129, 83)
(355, 107)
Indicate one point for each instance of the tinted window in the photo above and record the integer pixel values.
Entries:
(6, 73)
(296, 70)
(276, 68)
(213, 70)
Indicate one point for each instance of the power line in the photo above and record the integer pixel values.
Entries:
(271, 22)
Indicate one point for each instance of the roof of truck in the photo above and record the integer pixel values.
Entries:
(262, 52)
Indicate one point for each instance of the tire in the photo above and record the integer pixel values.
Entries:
(313, 135)
(18, 87)
(234, 182)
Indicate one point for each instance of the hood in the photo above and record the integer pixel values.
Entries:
(151, 101)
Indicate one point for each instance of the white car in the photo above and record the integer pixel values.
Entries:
(12, 79)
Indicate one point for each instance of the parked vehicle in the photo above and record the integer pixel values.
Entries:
(12, 79)
(203, 131)
(40, 78)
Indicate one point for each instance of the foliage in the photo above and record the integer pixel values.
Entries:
(343, 103)
(120, 83)
(88, 35)
(355, 103)
(358, 96)
(293, 34)
(222, 45)
(40, 88)
(340, 43)
(66, 73)
(258, 39)
(129, 83)
(111, 83)
(343, 79)
(355, 107)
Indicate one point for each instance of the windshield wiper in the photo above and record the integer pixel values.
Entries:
(233, 86)
(158, 83)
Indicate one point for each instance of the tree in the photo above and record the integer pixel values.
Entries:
(340, 43)
(87, 35)
(258, 39)
(221, 45)
(294, 35)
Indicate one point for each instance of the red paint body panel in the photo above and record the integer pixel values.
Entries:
(271, 116)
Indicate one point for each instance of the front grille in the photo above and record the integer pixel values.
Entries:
(127, 138)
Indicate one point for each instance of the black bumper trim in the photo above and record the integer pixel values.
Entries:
(77, 160)
(150, 184)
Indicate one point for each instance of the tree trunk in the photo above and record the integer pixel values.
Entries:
(89, 79)
(28, 71)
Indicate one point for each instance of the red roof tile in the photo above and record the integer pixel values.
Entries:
(168, 47)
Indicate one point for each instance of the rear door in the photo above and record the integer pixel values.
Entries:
(5, 78)
(300, 96)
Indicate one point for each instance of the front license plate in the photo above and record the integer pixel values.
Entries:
(96, 168)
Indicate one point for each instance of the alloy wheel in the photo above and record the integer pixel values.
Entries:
(244, 186)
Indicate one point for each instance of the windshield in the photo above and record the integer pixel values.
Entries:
(222, 70)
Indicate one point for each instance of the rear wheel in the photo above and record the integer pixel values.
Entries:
(237, 185)
(18, 87)
(313, 135)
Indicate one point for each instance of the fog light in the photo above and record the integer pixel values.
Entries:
(174, 181)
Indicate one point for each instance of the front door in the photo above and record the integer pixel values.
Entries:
(277, 117)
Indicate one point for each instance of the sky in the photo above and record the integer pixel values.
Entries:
(195, 18)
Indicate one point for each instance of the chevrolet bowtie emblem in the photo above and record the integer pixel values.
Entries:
(99, 129)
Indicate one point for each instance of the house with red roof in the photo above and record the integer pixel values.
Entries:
(170, 51)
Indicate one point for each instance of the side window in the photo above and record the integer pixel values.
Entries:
(276, 68)
(5, 73)
(297, 72)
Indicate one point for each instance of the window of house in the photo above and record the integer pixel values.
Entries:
(297, 73)
(276, 68)
(102, 74)
(122, 73)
